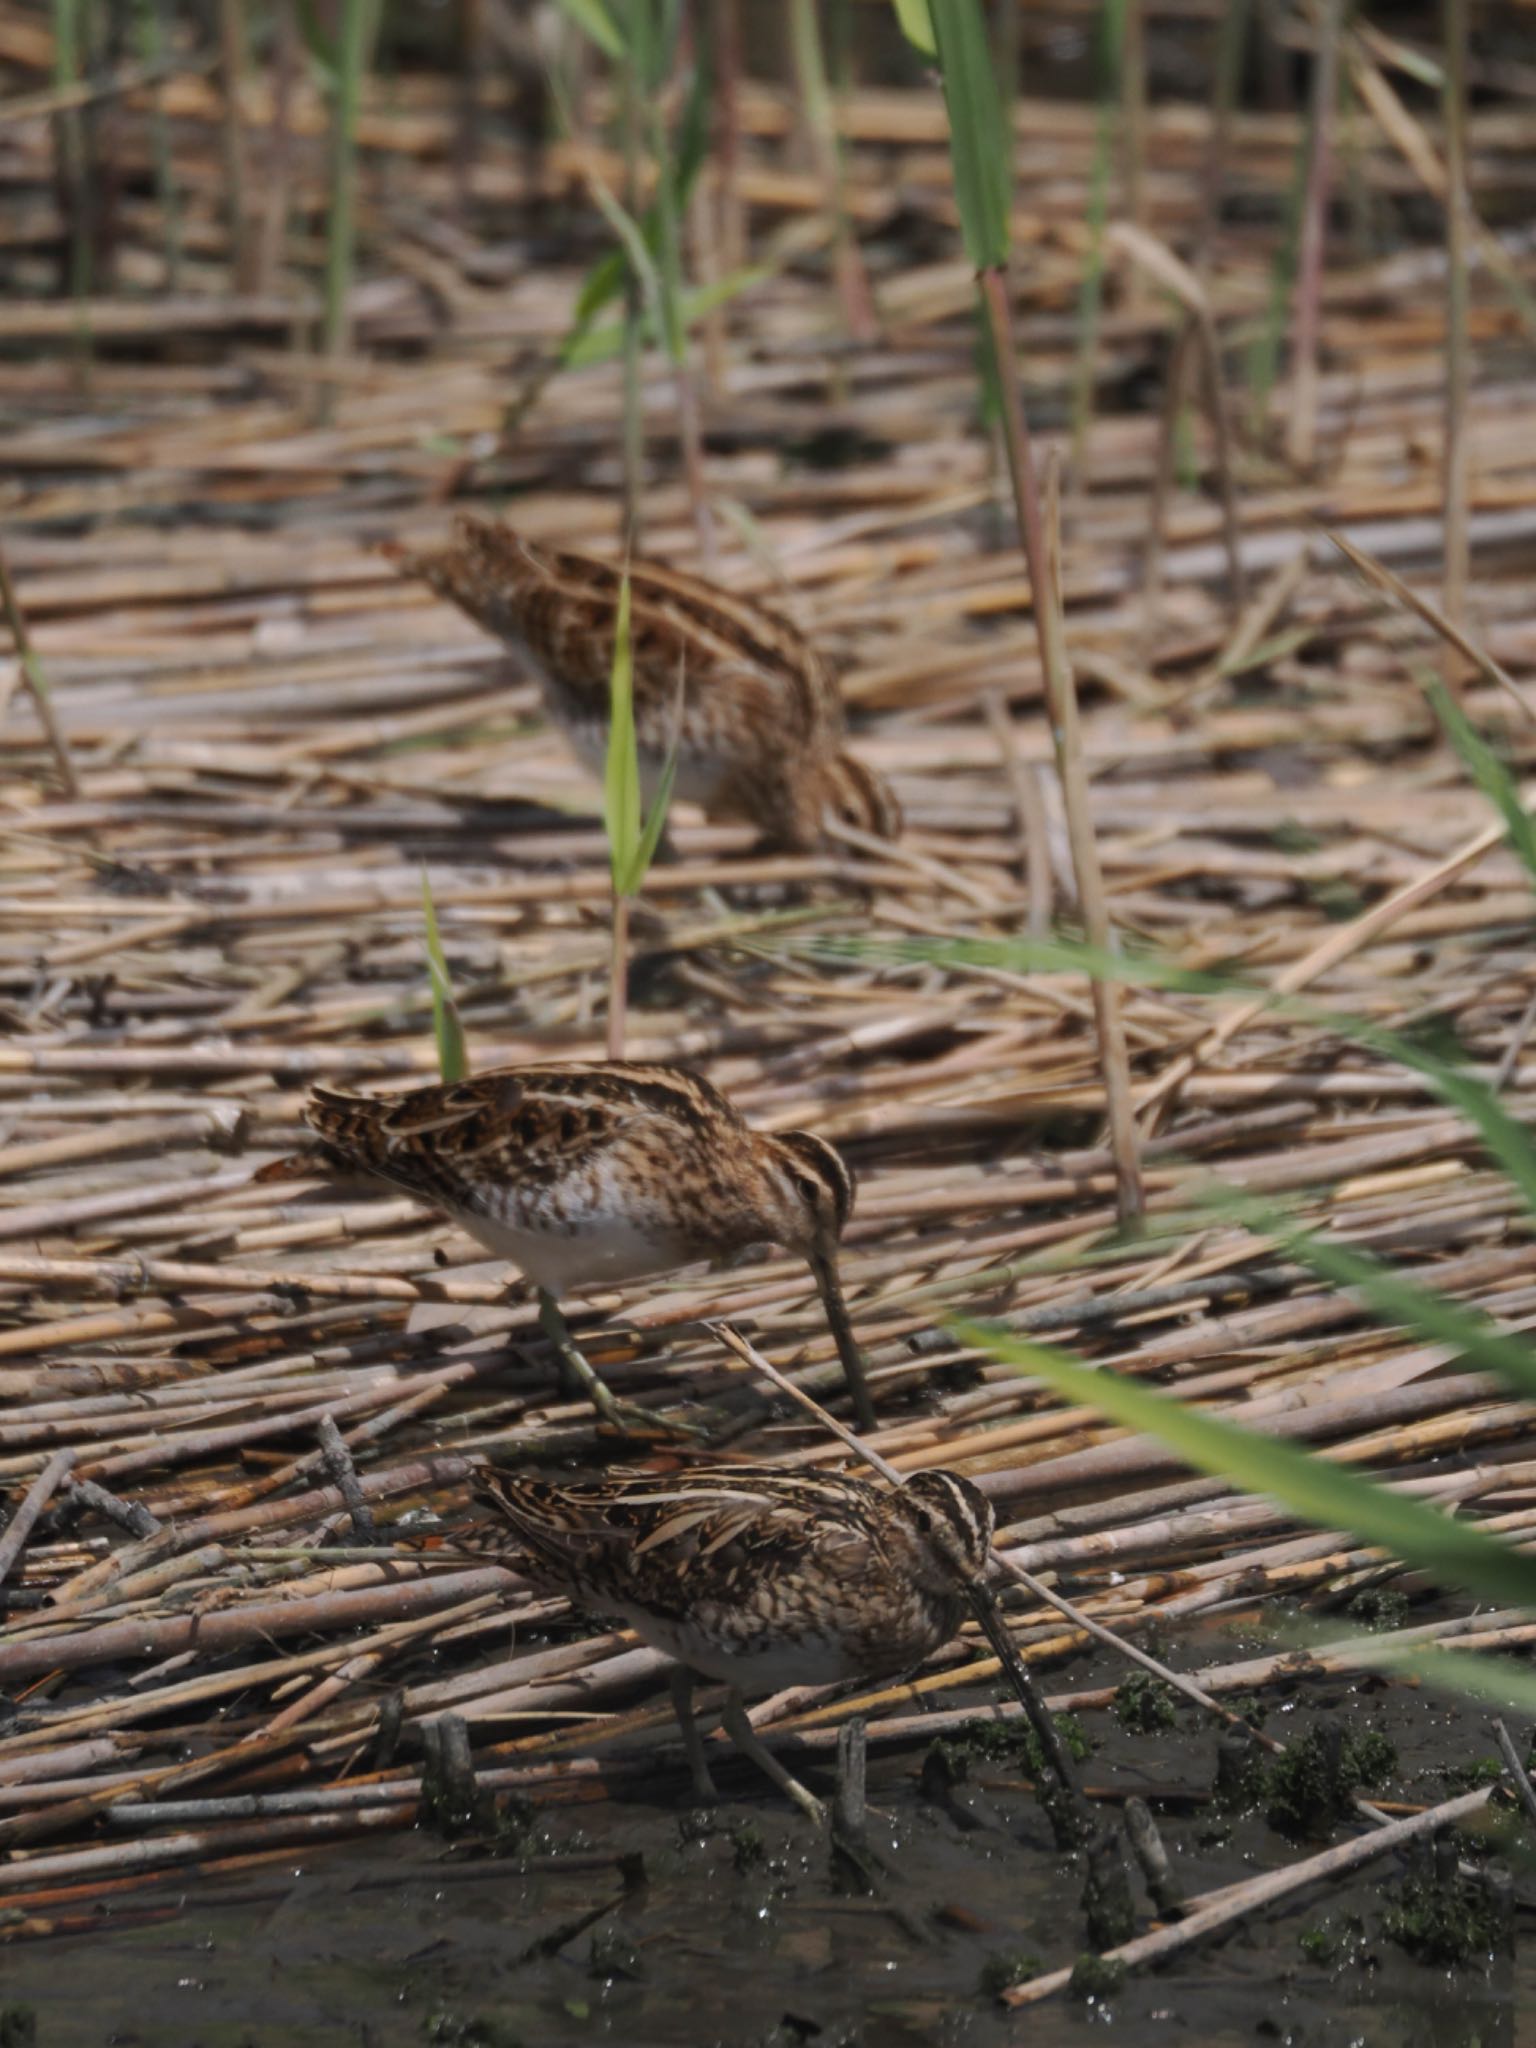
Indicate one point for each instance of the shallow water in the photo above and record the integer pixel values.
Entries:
(738, 1932)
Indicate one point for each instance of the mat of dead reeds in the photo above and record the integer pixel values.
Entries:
(271, 734)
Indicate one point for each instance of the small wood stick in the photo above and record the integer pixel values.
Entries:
(338, 1463)
(39, 1493)
(131, 1515)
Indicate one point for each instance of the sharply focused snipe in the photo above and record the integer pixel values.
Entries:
(584, 1175)
(762, 1578)
(755, 713)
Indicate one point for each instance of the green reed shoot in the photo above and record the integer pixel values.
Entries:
(341, 230)
(1484, 766)
(643, 44)
(633, 834)
(149, 24)
(447, 1028)
(70, 27)
(1451, 1551)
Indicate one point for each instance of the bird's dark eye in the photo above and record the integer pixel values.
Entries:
(808, 1188)
(924, 1521)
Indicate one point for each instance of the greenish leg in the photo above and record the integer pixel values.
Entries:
(582, 1378)
(741, 1732)
(586, 1382)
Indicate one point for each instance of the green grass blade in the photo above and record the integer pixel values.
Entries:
(980, 144)
(1508, 1140)
(1455, 1553)
(601, 343)
(655, 823)
(1433, 1318)
(604, 282)
(341, 228)
(640, 259)
(452, 1061)
(917, 25)
(1484, 766)
(594, 20)
(621, 774)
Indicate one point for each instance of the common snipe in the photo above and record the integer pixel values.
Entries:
(754, 711)
(586, 1175)
(761, 1578)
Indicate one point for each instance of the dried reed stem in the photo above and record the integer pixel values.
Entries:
(1236, 1901)
(1301, 425)
(38, 1495)
(31, 671)
(233, 57)
(1454, 458)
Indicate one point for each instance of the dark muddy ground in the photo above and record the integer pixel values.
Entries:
(738, 1932)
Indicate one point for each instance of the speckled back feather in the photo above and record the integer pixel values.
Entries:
(759, 733)
(562, 608)
(706, 1538)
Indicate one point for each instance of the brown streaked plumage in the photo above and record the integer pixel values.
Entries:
(760, 735)
(759, 1577)
(587, 1174)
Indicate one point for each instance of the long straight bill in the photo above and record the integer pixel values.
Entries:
(824, 1267)
(1016, 1671)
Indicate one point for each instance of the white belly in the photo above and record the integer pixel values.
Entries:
(784, 1661)
(593, 1255)
(696, 780)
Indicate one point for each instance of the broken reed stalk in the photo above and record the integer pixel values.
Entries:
(343, 1473)
(1061, 696)
(1234, 1902)
(31, 671)
(38, 1495)
(1301, 426)
(1454, 451)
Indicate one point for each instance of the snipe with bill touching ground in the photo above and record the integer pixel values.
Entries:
(585, 1175)
(761, 1578)
(754, 711)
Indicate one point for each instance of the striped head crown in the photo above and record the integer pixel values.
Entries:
(820, 1176)
(954, 1521)
(859, 797)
